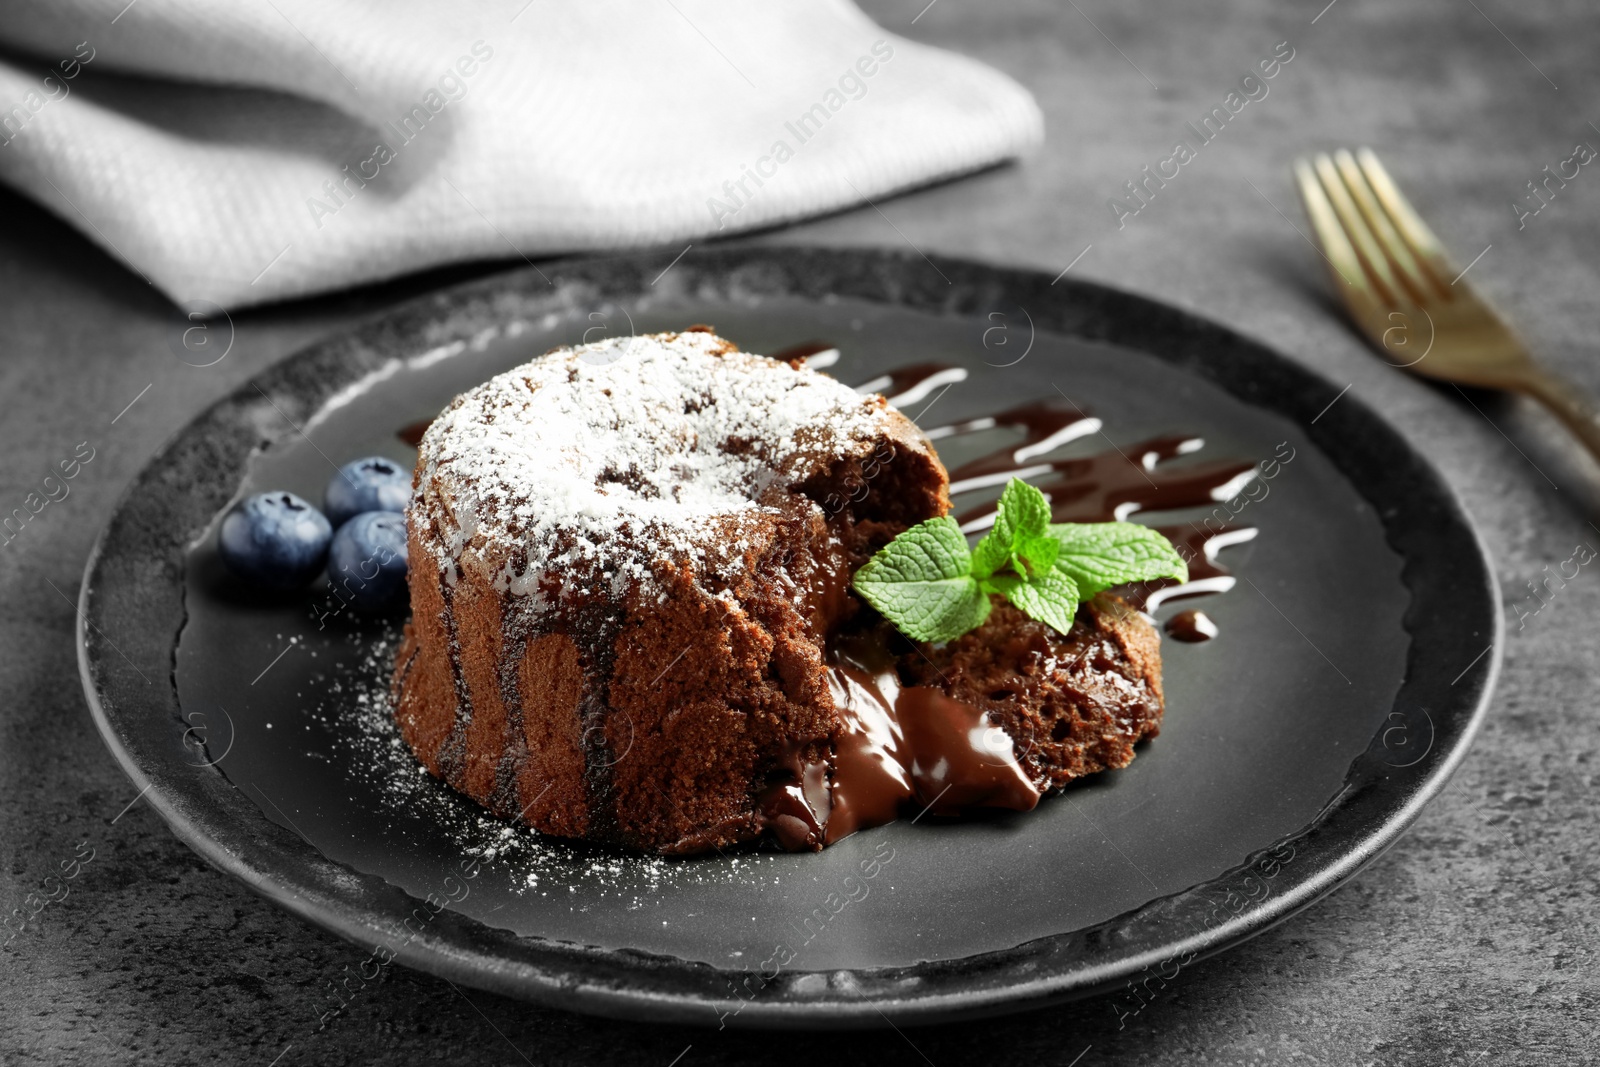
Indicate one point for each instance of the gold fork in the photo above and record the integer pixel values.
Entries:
(1406, 295)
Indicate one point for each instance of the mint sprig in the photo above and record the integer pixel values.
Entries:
(933, 588)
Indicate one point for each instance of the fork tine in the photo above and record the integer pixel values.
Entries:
(1425, 247)
(1418, 285)
(1336, 247)
(1376, 263)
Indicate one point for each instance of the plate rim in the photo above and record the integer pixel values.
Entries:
(624, 983)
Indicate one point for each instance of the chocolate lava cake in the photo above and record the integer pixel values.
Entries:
(632, 620)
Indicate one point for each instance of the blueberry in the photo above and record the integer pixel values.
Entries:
(371, 484)
(367, 563)
(275, 540)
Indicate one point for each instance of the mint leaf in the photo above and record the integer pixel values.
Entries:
(1023, 516)
(1052, 598)
(1099, 555)
(1038, 553)
(922, 582)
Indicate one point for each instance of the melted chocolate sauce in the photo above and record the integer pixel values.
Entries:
(797, 810)
(898, 748)
(871, 781)
(1191, 626)
(825, 589)
(959, 760)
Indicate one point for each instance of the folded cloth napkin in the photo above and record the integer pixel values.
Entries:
(237, 152)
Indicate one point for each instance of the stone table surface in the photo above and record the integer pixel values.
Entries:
(1472, 942)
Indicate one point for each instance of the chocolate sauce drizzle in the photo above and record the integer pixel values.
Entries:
(907, 385)
(1105, 486)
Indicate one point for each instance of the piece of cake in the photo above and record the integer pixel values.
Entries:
(1072, 706)
(625, 562)
(632, 619)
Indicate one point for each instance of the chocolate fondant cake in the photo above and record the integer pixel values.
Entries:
(632, 619)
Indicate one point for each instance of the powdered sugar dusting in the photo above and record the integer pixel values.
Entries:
(628, 451)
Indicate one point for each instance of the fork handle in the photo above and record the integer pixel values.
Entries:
(1569, 403)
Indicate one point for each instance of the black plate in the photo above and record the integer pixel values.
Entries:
(1355, 660)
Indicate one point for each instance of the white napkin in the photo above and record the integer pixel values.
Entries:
(239, 151)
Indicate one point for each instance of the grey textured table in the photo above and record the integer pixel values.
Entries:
(1471, 942)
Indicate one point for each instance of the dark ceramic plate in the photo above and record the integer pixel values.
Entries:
(1355, 659)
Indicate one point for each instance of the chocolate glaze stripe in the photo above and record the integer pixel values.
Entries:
(451, 757)
(907, 385)
(600, 629)
(514, 737)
